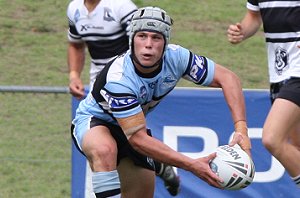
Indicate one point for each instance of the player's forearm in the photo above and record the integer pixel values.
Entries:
(236, 103)
(155, 149)
(235, 100)
(251, 23)
(135, 130)
(232, 90)
(76, 58)
(233, 93)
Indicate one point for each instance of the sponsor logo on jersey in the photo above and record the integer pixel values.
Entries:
(281, 60)
(143, 92)
(152, 84)
(198, 68)
(107, 15)
(118, 102)
(86, 27)
(76, 15)
(169, 81)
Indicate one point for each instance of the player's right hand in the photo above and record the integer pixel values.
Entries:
(76, 88)
(235, 34)
(202, 170)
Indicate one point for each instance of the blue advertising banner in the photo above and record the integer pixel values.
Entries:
(194, 122)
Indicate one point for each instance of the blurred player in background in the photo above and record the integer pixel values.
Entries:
(131, 86)
(281, 24)
(102, 27)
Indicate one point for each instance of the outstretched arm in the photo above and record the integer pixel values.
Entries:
(233, 93)
(135, 129)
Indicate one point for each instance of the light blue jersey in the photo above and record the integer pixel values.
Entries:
(121, 91)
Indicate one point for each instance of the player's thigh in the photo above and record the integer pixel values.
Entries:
(100, 148)
(136, 181)
(282, 119)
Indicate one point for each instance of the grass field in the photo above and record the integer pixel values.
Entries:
(35, 149)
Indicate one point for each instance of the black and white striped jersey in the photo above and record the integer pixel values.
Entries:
(103, 30)
(281, 23)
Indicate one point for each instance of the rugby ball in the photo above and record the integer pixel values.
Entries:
(234, 166)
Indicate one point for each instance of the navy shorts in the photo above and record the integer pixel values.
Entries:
(124, 148)
(288, 89)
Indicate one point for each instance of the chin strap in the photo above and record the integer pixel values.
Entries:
(241, 127)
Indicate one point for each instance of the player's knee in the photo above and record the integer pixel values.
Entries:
(274, 144)
(103, 151)
(106, 184)
(269, 141)
(103, 158)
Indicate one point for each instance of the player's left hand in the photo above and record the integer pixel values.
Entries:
(240, 136)
(243, 141)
